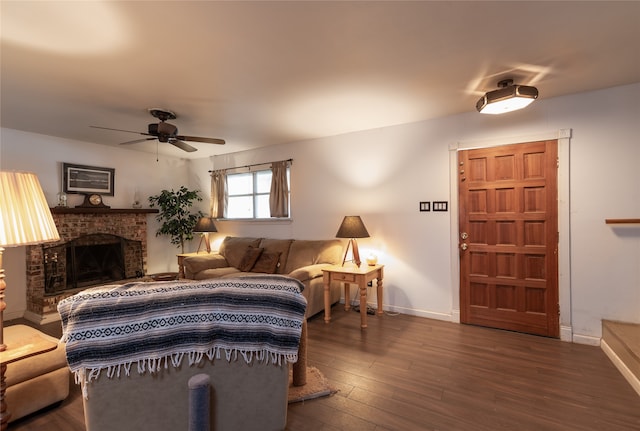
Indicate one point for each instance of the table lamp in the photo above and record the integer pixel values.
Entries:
(204, 227)
(25, 219)
(352, 227)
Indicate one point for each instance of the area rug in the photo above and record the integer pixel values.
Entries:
(317, 386)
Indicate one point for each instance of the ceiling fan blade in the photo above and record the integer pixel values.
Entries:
(135, 141)
(205, 140)
(183, 145)
(120, 130)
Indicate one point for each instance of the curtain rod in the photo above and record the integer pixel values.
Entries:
(249, 166)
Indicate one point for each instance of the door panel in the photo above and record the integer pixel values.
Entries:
(508, 225)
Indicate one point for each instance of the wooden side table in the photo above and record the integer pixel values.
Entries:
(181, 257)
(353, 274)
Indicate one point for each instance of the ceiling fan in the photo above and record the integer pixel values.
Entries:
(165, 132)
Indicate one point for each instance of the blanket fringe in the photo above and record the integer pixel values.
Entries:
(85, 376)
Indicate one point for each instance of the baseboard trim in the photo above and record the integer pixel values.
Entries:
(11, 315)
(41, 320)
(455, 316)
(410, 311)
(586, 339)
(620, 365)
(566, 333)
(420, 313)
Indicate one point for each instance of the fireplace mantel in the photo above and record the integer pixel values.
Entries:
(68, 210)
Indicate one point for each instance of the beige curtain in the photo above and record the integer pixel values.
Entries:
(279, 195)
(219, 198)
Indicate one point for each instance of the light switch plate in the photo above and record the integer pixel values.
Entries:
(440, 205)
(425, 206)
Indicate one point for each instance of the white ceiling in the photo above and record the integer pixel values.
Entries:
(263, 73)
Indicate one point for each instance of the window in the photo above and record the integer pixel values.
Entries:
(249, 194)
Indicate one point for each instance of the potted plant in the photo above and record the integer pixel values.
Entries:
(177, 220)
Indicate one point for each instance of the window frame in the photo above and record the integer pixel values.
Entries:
(254, 196)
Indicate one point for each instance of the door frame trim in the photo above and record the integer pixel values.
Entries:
(564, 219)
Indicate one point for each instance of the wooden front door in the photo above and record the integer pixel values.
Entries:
(509, 237)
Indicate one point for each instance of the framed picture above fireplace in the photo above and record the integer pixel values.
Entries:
(87, 179)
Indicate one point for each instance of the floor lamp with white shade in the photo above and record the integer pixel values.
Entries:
(25, 219)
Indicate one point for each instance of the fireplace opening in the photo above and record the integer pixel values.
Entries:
(91, 260)
(95, 264)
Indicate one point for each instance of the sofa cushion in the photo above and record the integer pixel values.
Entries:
(281, 246)
(194, 264)
(216, 273)
(310, 252)
(249, 259)
(267, 262)
(234, 248)
(308, 272)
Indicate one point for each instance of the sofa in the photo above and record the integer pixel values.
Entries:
(299, 259)
(134, 348)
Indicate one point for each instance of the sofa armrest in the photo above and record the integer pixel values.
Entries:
(195, 264)
(308, 272)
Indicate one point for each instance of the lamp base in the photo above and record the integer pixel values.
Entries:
(207, 245)
(4, 413)
(356, 254)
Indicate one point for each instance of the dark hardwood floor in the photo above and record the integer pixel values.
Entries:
(411, 373)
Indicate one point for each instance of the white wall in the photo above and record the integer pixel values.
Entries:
(382, 174)
(134, 170)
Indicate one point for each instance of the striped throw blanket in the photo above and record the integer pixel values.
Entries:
(150, 326)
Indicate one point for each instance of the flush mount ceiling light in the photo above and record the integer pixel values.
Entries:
(508, 97)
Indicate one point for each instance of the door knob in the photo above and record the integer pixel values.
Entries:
(464, 235)
(464, 246)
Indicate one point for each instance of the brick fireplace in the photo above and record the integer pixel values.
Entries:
(74, 224)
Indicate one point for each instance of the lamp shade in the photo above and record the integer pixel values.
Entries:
(508, 97)
(352, 227)
(205, 224)
(25, 217)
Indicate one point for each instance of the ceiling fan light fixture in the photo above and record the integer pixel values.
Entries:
(166, 129)
(508, 97)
